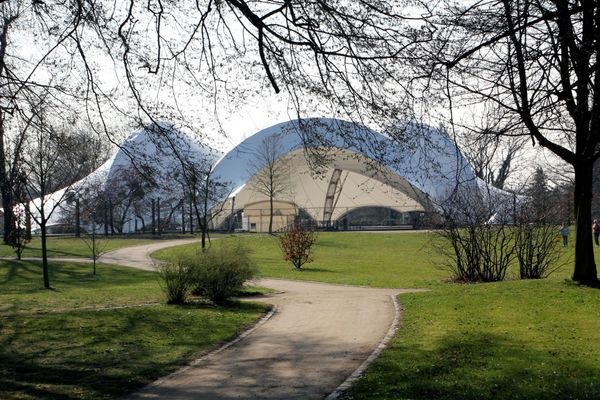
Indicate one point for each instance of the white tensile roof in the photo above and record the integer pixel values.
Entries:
(419, 169)
(425, 165)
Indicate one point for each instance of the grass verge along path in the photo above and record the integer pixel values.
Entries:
(506, 340)
(65, 351)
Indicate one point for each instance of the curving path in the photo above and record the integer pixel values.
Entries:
(318, 336)
(139, 256)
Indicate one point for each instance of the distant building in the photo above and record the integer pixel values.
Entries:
(379, 184)
(354, 183)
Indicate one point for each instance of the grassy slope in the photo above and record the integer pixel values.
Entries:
(515, 339)
(72, 247)
(53, 346)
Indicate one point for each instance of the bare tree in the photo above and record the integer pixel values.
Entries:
(124, 188)
(41, 50)
(477, 240)
(20, 234)
(270, 174)
(337, 52)
(535, 61)
(491, 158)
(90, 237)
(207, 194)
(48, 166)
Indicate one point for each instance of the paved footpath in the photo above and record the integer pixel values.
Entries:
(139, 256)
(318, 336)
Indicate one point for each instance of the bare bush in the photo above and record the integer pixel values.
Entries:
(537, 246)
(476, 237)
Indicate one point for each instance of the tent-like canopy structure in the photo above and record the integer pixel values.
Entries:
(338, 174)
(144, 176)
(358, 169)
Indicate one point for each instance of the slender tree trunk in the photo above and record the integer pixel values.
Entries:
(77, 218)
(585, 266)
(94, 251)
(232, 215)
(153, 217)
(158, 222)
(44, 255)
(112, 218)
(204, 226)
(5, 186)
(27, 220)
(105, 220)
(270, 215)
(7, 208)
(183, 215)
(191, 216)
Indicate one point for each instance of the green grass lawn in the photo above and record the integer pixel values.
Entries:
(61, 344)
(509, 340)
(59, 246)
(371, 259)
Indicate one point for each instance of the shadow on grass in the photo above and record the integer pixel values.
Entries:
(308, 270)
(331, 243)
(106, 354)
(478, 366)
(25, 276)
(51, 252)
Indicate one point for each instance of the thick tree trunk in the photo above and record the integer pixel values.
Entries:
(585, 266)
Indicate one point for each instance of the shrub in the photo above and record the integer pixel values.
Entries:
(538, 250)
(296, 245)
(220, 272)
(478, 247)
(478, 252)
(175, 280)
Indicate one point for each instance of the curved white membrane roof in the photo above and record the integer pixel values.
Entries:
(418, 170)
(425, 165)
(155, 152)
(309, 190)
